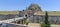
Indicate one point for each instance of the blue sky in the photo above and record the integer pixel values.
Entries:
(13, 5)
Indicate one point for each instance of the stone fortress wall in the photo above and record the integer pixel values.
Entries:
(40, 18)
(54, 17)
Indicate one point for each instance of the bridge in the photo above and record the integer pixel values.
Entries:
(12, 20)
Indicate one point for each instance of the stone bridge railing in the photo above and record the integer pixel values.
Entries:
(12, 20)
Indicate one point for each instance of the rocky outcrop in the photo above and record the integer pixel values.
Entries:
(34, 7)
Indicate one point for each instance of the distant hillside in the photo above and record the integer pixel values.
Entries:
(8, 12)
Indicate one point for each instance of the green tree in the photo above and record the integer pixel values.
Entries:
(46, 20)
(46, 23)
(42, 24)
(27, 21)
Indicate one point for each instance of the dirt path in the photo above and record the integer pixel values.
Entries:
(37, 25)
(55, 25)
(33, 25)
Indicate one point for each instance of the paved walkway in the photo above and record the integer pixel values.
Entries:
(13, 25)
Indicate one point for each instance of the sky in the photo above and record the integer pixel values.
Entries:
(15, 5)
